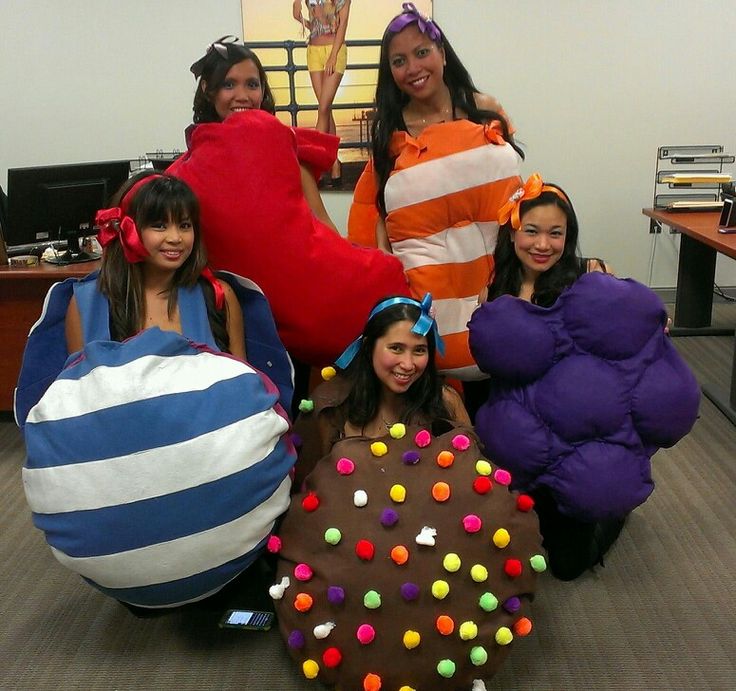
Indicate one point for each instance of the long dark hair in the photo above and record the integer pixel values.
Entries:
(507, 278)
(163, 198)
(212, 69)
(423, 397)
(390, 102)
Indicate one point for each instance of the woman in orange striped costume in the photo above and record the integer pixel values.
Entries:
(443, 162)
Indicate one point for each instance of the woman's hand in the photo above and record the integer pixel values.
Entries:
(331, 62)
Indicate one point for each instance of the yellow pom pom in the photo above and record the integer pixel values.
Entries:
(504, 636)
(468, 630)
(407, 688)
(501, 538)
(397, 430)
(451, 562)
(440, 589)
(483, 467)
(310, 669)
(411, 639)
(378, 448)
(398, 493)
(328, 373)
(479, 573)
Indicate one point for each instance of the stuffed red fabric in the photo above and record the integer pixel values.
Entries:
(256, 222)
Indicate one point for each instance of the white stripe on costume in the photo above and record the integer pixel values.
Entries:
(453, 314)
(154, 472)
(186, 556)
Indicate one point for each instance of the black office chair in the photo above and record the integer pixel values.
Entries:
(3, 211)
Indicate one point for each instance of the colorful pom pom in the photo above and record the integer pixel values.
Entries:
(328, 372)
(345, 466)
(468, 630)
(440, 590)
(422, 438)
(446, 668)
(333, 536)
(504, 636)
(451, 562)
(296, 639)
(399, 555)
(482, 484)
(310, 669)
(502, 477)
(332, 657)
(461, 442)
(323, 630)
(274, 544)
(512, 568)
(472, 523)
(426, 536)
(478, 655)
(440, 491)
(277, 590)
(335, 595)
(411, 639)
(365, 634)
(488, 602)
(379, 448)
(479, 573)
(501, 538)
(538, 563)
(512, 605)
(360, 498)
(407, 688)
(389, 517)
(483, 467)
(398, 493)
(445, 459)
(306, 405)
(371, 682)
(444, 624)
(524, 503)
(365, 550)
(523, 626)
(397, 430)
(410, 458)
(303, 602)
(409, 591)
(310, 502)
(303, 572)
(372, 599)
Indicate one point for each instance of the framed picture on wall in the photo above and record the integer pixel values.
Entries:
(279, 32)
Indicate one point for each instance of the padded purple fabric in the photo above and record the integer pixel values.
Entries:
(583, 393)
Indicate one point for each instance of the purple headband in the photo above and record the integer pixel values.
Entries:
(409, 15)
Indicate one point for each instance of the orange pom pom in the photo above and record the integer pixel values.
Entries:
(303, 602)
(399, 554)
(445, 625)
(523, 627)
(441, 491)
(445, 459)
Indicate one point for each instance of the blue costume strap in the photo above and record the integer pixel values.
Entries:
(193, 315)
(94, 309)
(422, 326)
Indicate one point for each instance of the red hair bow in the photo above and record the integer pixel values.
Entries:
(113, 225)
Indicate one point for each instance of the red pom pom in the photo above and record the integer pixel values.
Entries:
(310, 502)
(482, 484)
(332, 657)
(365, 550)
(524, 502)
(512, 567)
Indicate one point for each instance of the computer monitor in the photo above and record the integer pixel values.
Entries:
(59, 203)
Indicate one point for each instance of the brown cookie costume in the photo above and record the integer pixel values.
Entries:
(406, 563)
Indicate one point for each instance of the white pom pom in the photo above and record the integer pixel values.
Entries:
(323, 630)
(360, 498)
(426, 536)
(276, 591)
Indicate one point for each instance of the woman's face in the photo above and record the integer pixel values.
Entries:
(417, 63)
(541, 239)
(169, 244)
(241, 90)
(400, 357)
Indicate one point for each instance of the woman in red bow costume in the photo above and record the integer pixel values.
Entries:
(153, 264)
(443, 162)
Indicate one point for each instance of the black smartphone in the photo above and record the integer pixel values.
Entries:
(250, 619)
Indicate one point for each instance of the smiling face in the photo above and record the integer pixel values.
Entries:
(417, 64)
(169, 244)
(399, 357)
(241, 90)
(541, 239)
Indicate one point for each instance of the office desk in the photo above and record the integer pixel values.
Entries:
(22, 291)
(699, 246)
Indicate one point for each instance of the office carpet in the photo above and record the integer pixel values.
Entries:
(659, 615)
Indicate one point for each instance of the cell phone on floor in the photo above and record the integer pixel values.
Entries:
(249, 619)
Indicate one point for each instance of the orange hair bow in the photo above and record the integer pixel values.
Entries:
(532, 188)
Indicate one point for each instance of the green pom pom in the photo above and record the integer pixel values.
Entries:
(488, 602)
(539, 563)
(479, 655)
(372, 599)
(332, 536)
(306, 405)
(446, 668)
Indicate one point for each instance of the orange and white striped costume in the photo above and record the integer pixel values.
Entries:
(442, 202)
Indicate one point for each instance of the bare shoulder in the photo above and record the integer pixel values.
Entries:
(455, 406)
(487, 102)
(599, 265)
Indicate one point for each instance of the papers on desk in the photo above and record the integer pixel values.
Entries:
(694, 205)
(696, 178)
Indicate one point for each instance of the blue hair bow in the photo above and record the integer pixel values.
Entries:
(422, 326)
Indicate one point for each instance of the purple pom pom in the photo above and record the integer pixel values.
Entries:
(335, 595)
(296, 639)
(410, 457)
(389, 517)
(513, 604)
(410, 591)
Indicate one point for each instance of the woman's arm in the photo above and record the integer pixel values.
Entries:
(382, 241)
(342, 27)
(599, 265)
(455, 406)
(73, 328)
(234, 326)
(296, 11)
(313, 197)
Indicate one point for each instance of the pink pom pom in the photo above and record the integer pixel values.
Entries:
(422, 438)
(303, 572)
(461, 442)
(472, 523)
(274, 544)
(502, 477)
(365, 633)
(345, 466)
